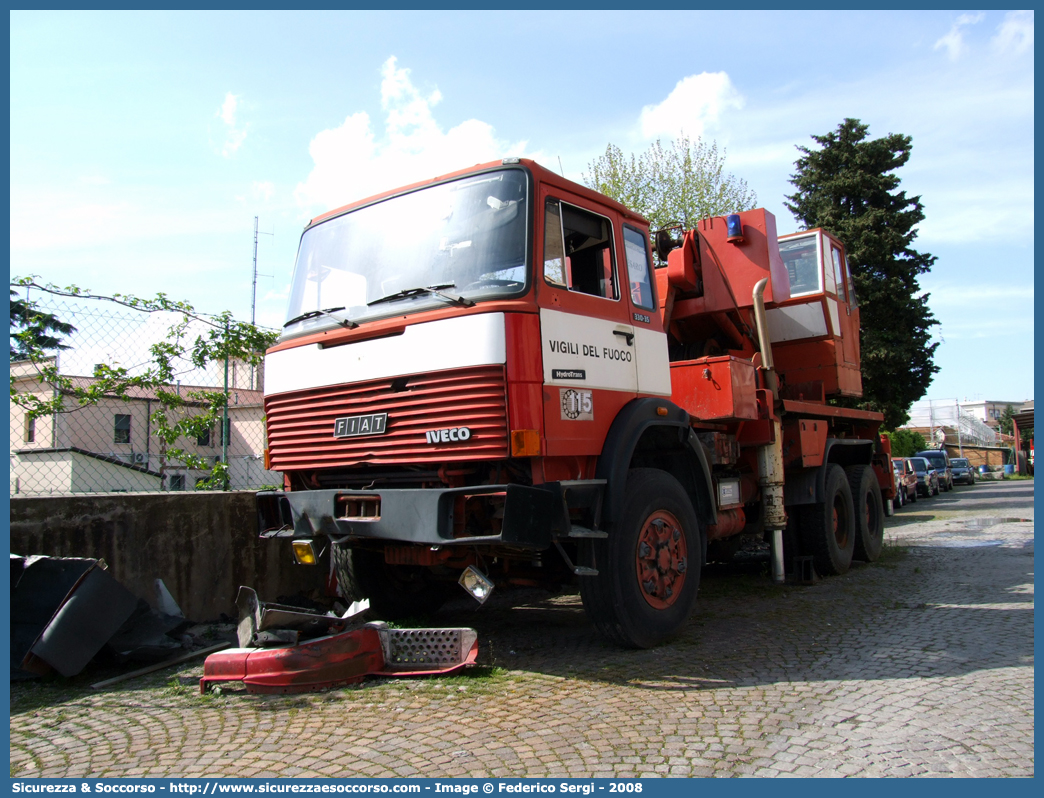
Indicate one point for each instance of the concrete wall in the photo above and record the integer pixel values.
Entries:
(202, 545)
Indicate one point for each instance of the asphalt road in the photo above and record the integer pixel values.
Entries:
(918, 665)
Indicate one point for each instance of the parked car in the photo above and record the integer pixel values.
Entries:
(940, 461)
(905, 480)
(927, 477)
(962, 471)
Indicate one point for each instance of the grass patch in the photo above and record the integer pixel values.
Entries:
(39, 694)
(478, 680)
(747, 581)
(892, 553)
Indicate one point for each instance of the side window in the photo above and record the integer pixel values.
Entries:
(638, 268)
(851, 286)
(554, 256)
(839, 274)
(578, 250)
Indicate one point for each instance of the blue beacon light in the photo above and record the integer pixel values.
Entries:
(735, 228)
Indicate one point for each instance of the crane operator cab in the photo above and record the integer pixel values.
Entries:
(815, 333)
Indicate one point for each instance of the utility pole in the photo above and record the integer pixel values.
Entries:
(931, 424)
(224, 411)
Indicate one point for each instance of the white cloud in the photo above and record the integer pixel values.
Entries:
(44, 219)
(354, 161)
(695, 104)
(992, 294)
(1015, 33)
(953, 42)
(234, 136)
(954, 212)
(1008, 326)
(264, 189)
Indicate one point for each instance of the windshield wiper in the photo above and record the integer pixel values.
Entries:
(348, 323)
(456, 299)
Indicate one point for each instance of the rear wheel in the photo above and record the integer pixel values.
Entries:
(829, 530)
(869, 516)
(394, 591)
(648, 567)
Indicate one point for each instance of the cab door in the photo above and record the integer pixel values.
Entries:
(587, 338)
(650, 340)
(848, 314)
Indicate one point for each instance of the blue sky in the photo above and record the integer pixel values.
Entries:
(144, 144)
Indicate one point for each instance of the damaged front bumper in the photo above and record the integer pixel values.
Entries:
(517, 516)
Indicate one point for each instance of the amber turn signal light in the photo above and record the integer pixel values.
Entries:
(304, 552)
(525, 443)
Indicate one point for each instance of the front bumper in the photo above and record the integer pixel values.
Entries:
(531, 516)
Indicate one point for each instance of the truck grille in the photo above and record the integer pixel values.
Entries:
(300, 425)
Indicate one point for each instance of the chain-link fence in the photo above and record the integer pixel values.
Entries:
(126, 400)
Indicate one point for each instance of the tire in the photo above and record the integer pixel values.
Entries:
(913, 498)
(395, 591)
(829, 531)
(648, 567)
(869, 513)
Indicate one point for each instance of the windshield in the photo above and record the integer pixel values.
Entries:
(958, 463)
(920, 465)
(937, 460)
(465, 238)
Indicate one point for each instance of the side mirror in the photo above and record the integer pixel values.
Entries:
(663, 243)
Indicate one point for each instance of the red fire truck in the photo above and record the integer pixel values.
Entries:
(498, 377)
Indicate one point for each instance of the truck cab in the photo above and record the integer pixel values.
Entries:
(815, 333)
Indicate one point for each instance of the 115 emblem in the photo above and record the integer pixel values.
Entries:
(577, 405)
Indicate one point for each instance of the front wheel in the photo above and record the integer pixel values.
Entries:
(648, 567)
(395, 591)
(829, 530)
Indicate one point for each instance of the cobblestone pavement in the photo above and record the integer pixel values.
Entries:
(919, 665)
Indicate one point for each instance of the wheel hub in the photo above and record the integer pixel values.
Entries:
(661, 559)
(840, 527)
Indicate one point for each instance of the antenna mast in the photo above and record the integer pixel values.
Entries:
(253, 292)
